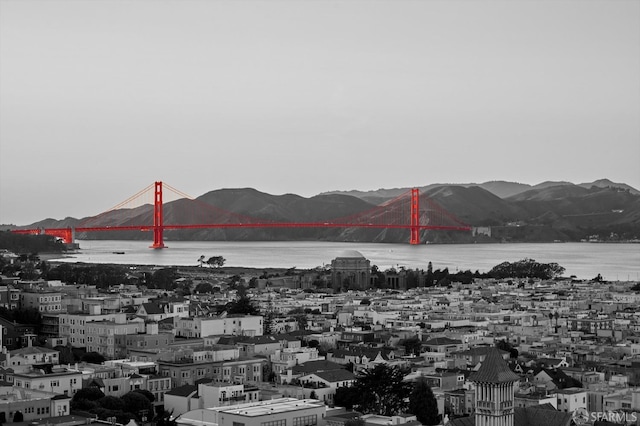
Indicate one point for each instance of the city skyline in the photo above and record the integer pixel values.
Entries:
(99, 99)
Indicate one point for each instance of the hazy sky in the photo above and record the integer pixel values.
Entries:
(99, 99)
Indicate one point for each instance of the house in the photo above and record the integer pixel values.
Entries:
(15, 335)
(209, 394)
(322, 385)
(442, 345)
(361, 357)
(24, 359)
(181, 399)
(570, 399)
(151, 312)
(475, 356)
(553, 379)
(187, 371)
(59, 381)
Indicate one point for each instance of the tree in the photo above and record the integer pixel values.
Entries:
(347, 397)
(110, 402)
(204, 288)
(93, 358)
(146, 394)
(381, 390)
(300, 316)
(412, 346)
(216, 261)
(90, 394)
(164, 278)
(423, 403)
(503, 345)
(526, 268)
(242, 304)
(137, 404)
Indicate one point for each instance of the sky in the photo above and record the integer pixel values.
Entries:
(99, 99)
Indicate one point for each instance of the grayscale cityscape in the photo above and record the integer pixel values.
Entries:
(320, 213)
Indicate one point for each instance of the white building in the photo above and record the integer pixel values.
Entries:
(570, 399)
(61, 381)
(236, 325)
(274, 412)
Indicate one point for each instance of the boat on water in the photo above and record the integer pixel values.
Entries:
(118, 252)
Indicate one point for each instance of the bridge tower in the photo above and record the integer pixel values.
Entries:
(415, 216)
(158, 223)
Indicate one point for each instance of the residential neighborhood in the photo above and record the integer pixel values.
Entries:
(493, 352)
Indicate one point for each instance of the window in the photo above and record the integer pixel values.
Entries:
(282, 422)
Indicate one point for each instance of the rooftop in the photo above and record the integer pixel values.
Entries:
(270, 407)
(494, 369)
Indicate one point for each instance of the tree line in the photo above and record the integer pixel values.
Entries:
(136, 404)
(21, 244)
(525, 268)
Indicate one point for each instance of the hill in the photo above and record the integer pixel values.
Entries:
(550, 211)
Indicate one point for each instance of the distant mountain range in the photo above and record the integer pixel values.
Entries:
(504, 211)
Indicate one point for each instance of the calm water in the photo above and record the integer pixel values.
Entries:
(584, 260)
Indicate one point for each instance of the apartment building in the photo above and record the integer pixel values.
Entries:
(236, 325)
(96, 331)
(44, 301)
(187, 372)
(33, 404)
(60, 381)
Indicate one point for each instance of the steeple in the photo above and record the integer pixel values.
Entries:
(494, 391)
(494, 369)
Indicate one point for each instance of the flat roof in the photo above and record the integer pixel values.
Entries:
(273, 406)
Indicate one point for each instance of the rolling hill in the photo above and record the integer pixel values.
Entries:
(550, 211)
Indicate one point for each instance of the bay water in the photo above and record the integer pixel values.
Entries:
(613, 261)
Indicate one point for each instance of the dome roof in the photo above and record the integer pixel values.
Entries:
(351, 254)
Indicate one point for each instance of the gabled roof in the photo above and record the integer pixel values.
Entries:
(257, 340)
(152, 309)
(335, 375)
(463, 421)
(439, 341)
(315, 366)
(32, 350)
(97, 381)
(184, 391)
(494, 369)
(540, 415)
(370, 353)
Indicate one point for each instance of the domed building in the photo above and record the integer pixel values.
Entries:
(350, 271)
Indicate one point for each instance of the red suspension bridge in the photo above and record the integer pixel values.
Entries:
(411, 210)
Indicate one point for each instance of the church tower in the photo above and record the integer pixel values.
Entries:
(494, 383)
